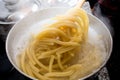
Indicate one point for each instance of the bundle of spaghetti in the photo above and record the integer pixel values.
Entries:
(50, 55)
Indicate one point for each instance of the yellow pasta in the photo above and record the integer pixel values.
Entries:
(51, 54)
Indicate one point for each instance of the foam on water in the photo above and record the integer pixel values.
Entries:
(93, 37)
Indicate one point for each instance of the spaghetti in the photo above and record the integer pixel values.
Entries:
(51, 54)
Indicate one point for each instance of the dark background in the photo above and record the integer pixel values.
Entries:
(111, 10)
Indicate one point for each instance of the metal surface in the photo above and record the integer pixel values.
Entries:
(12, 11)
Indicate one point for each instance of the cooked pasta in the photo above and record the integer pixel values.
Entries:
(53, 53)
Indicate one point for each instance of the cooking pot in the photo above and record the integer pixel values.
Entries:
(18, 36)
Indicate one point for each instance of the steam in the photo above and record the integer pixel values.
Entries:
(97, 12)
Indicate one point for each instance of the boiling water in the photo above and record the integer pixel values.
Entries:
(94, 39)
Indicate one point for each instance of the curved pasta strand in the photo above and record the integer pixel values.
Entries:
(50, 52)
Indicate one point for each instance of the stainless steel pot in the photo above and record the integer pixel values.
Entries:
(16, 38)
